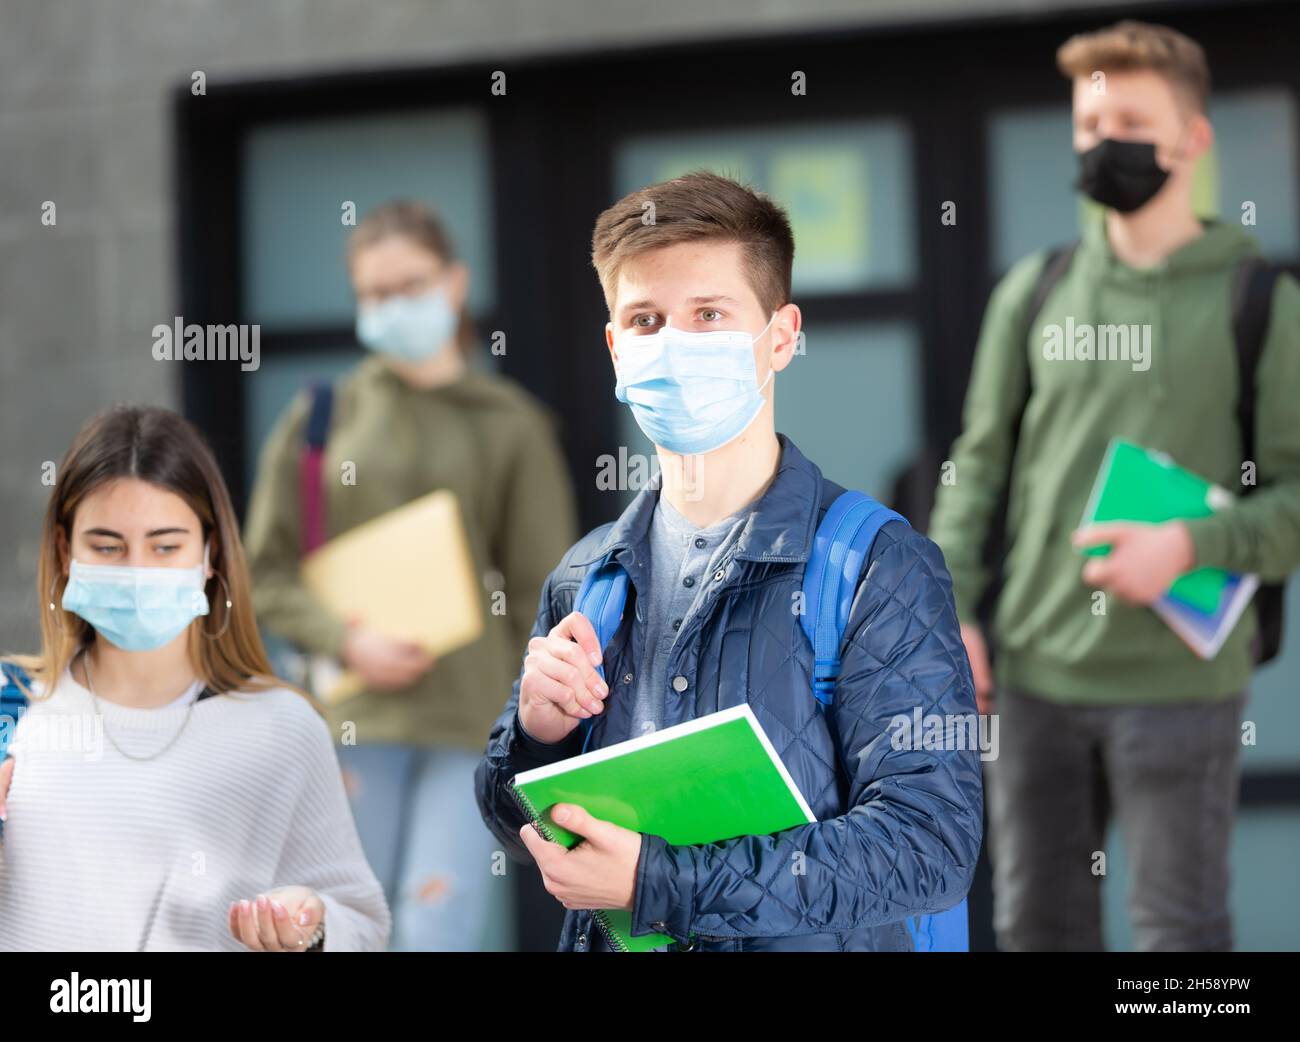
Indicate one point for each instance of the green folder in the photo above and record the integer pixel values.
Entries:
(1137, 484)
(704, 781)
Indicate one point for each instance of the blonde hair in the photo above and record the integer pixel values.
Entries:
(1130, 45)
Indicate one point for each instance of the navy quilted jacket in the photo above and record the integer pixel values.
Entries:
(898, 829)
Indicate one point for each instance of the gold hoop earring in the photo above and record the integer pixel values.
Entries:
(229, 605)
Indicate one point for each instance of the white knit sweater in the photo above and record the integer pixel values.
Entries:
(104, 853)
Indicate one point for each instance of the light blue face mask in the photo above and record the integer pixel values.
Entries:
(137, 608)
(691, 392)
(411, 329)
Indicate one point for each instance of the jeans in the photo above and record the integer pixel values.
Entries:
(442, 871)
(1170, 773)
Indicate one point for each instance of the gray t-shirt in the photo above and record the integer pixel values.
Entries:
(682, 558)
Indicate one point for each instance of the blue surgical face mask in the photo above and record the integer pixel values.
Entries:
(691, 392)
(137, 608)
(411, 329)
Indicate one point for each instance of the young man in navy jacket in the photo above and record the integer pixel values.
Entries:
(696, 274)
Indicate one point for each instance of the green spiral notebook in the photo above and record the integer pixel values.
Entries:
(704, 781)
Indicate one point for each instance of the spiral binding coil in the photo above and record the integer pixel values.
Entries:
(602, 920)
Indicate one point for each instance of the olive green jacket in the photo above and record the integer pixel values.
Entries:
(493, 445)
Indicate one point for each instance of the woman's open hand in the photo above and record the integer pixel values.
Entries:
(281, 920)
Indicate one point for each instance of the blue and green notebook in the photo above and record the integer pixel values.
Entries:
(1137, 484)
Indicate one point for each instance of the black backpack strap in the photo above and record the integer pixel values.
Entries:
(1054, 268)
(1252, 300)
(1055, 265)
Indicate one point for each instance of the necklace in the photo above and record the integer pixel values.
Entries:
(90, 686)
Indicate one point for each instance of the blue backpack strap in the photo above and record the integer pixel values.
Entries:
(841, 549)
(13, 702)
(318, 416)
(830, 580)
(601, 598)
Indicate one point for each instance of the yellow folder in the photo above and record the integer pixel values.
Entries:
(408, 574)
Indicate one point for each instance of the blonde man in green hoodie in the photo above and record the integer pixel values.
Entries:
(1102, 708)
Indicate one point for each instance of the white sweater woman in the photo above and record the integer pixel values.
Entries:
(166, 791)
(136, 829)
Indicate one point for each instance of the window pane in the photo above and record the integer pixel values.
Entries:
(298, 176)
(1032, 169)
(852, 403)
(1256, 157)
(847, 186)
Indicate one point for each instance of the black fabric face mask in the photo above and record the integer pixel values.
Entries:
(1122, 175)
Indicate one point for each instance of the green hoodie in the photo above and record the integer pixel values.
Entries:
(1180, 399)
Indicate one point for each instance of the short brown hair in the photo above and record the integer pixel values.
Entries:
(694, 207)
(1131, 45)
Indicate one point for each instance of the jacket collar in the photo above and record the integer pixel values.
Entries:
(780, 527)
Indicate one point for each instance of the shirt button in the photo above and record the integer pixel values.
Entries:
(582, 940)
(677, 624)
(659, 925)
(700, 541)
(680, 683)
(688, 581)
(717, 576)
(627, 678)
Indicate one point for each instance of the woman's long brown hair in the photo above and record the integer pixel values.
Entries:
(164, 449)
